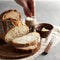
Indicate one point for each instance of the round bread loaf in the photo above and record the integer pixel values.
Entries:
(8, 20)
(14, 14)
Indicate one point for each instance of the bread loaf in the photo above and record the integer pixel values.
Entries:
(10, 15)
(14, 14)
(8, 20)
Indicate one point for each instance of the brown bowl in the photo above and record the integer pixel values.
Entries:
(39, 27)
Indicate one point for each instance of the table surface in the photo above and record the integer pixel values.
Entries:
(45, 12)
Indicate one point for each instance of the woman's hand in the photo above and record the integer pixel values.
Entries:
(28, 6)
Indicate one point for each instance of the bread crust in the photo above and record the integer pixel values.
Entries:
(2, 33)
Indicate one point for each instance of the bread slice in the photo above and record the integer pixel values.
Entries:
(30, 39)
(24, 45)
(15, 32)
(29, 49)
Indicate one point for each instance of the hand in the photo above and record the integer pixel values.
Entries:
(28, 6)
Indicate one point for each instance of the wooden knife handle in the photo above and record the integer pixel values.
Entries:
(48, 47)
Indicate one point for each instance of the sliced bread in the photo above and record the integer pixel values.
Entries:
(29, 40)
(15, 32)
(29, 49)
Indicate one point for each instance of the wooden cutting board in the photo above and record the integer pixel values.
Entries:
(7, 51)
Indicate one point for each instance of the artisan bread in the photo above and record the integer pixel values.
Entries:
(5, 27)
(10, 15)
(28, 41)
(14, 14)
(15, 32)
(8, 20)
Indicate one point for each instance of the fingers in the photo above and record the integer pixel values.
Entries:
(31, 6)
(27, 12)
(28, 6)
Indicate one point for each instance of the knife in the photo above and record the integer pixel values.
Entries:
(48, 47)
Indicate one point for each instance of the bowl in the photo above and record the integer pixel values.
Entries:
(44, 29)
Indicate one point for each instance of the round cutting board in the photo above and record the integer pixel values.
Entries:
(7, 51)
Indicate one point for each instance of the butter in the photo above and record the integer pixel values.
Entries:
(44, 29)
